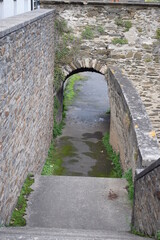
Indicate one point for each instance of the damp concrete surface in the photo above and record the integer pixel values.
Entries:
(87, 120)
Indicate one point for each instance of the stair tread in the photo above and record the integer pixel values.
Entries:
(27, 233)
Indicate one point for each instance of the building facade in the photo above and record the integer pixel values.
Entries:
(10, 8)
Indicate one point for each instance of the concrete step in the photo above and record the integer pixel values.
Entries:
(79, 203)
(63, 234)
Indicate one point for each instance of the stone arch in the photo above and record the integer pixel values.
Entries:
(85, 64)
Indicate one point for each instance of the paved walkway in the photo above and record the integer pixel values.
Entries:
(79, 203)
(75, 208)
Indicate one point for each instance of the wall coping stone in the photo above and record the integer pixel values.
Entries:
(100, 2)
(17, 22)
(146, 138)
(147, 170)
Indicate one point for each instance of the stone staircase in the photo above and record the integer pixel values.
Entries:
(63, 234)
(75, 208)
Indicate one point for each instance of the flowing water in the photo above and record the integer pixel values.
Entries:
(80, 148)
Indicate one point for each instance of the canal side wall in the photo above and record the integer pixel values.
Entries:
(26, 73)
(131, 133)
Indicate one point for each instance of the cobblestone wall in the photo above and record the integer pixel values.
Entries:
(26, 106)
(146, 214)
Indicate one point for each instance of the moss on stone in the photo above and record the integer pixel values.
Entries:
(17, 218)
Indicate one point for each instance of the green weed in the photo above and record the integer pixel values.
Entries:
(148, 59)
(58, 77)
(119, 41)
(100, 29)
(158, 235)
(158, 33)
(135, 232)
(70, 93)
(125, 24)
(57, 127)
(129, 178)
(67, 47)
(17, 218)
(113, 156)
(53, 164)
(88, 33)
(61, 26)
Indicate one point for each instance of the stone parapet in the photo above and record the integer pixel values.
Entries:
(102, 2)
(131, 133)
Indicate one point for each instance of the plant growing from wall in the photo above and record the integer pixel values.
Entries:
(120, 41)
(158, 33)
(58, 126)
(100, 29)
(17, 218)
(88, 33)
(125, 24)
(67, 48)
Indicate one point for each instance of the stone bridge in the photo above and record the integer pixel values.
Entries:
(102, 37)
(139, 59)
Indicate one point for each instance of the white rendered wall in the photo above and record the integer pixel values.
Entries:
(10, 8)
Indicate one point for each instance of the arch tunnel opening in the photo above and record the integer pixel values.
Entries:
(80, 147)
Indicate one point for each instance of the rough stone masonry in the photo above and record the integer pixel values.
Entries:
(26, 106)
(139, 59)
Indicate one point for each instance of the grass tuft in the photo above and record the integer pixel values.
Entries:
(113, 156)
(158, 235)
(53, 165)
(128, 176)
(87, 33)
(17, 218)
(70, 92)
(100, 29)
(158, 33)
(119, 41)
(125, 24)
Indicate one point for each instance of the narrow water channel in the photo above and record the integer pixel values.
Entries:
(80, 146)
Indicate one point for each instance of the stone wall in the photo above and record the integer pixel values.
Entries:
(26, 105)
(131, 133)
(146, 211)
(139, 59)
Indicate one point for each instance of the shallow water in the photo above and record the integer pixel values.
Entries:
(80, 146)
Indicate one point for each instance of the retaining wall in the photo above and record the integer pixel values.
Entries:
(146, 210)
(26, 105)
(131, 133)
